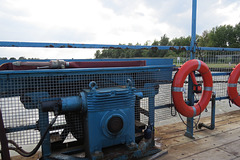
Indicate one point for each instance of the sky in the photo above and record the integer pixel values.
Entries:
(104, 22)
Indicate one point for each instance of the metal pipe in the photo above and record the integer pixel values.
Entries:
(212, 126)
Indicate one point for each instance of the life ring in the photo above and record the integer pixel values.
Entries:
(177, 88)
(232, 86)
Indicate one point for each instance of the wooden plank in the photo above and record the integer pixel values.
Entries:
(177, 128)
(202, 145)
(34, 157)
(172, 138)
(221, 143)
(232, 148)
(215, 153)
(181, 139)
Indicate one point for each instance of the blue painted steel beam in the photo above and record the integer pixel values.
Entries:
(216, 74)
(96, 46)
(20, 128)
(221, 98)
(221, 73)
(218, 49)
(189, 130)
(106, 46)
(171, 105)
(193, 38)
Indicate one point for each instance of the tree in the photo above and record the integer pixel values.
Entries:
(155, 43)
(21, 58)
(203, 40)
(97, 54)
(182, 41)
(164, 41)
(236, 43)
(12, 58)
(220, 36)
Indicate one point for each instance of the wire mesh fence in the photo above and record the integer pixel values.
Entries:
(22, 94)
(220, 63)
(21, 118)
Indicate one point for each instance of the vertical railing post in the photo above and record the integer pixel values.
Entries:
(151, 100)
(3, 139)
(189, 131)
(213, 110)
(193, 35)
(43, 123)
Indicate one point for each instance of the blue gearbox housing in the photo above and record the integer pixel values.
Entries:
(109, 117)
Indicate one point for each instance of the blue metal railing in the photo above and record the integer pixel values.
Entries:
(93, 46)
(107, 46)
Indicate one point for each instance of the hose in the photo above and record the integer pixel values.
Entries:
(24, 153)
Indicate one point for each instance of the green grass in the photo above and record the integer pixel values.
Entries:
(221, 65)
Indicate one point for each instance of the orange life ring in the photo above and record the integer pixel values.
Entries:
(232, 85)
(177, 88)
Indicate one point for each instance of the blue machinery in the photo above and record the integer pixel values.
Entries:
(91, 109)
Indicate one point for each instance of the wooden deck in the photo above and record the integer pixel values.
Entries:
(221, 143)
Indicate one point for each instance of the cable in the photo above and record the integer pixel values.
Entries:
(229, 102)
(29, 154)
(195, 123)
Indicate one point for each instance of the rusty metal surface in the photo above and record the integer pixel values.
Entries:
(78, 45)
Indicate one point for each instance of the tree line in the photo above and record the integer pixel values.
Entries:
(226, 36)
(20, 58)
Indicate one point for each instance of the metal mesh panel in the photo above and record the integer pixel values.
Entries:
(219, 61)
(163, 99)
(17, 90)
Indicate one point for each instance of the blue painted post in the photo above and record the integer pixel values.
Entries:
(194, 20)
(213, 110)
(189, 131)
(43, 122)
(151, 100)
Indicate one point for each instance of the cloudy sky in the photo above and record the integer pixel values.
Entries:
(104, 22)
